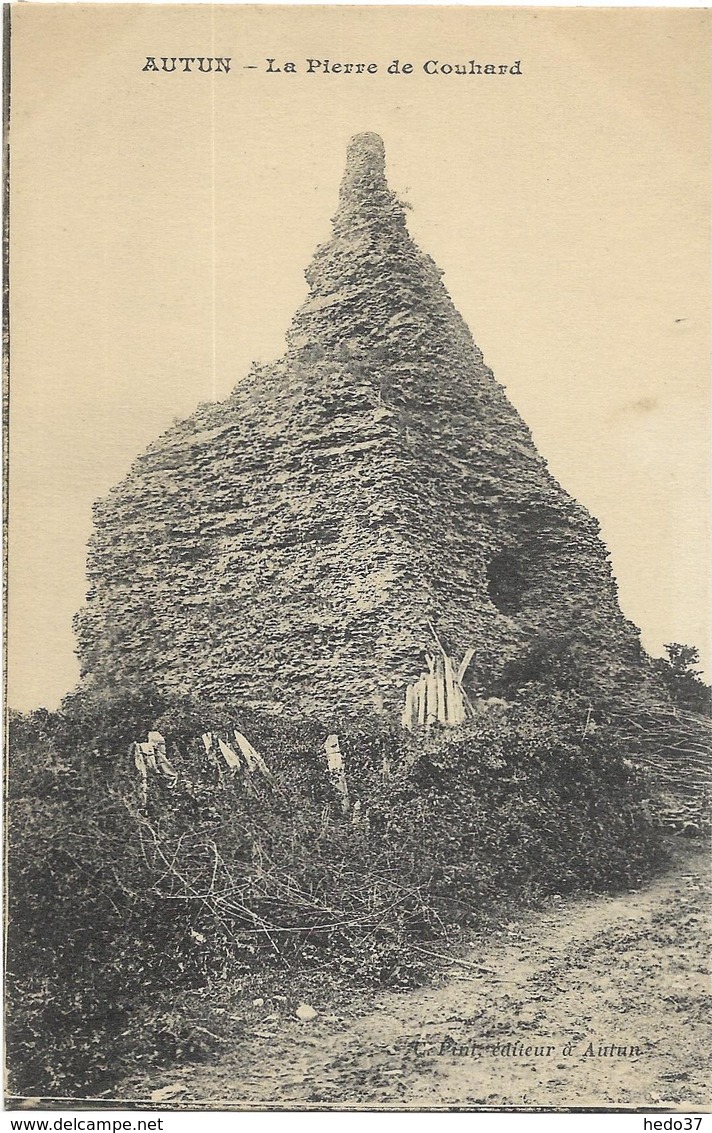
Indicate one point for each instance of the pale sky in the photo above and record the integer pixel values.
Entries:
(161, 224)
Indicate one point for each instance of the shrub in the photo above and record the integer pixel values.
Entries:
(682, 678)
(117, 908)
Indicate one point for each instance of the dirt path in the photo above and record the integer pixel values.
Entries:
(627, 975)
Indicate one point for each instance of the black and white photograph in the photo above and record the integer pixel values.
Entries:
(358, 707)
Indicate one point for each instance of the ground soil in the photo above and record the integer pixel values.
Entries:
(626, 974)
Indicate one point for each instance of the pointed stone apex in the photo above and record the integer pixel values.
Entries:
(365, 166)
(364, 198)
(368, 152)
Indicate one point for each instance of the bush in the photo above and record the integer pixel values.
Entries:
(682, 678)
(118, 907)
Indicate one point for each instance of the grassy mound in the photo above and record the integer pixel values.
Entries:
(120, 905)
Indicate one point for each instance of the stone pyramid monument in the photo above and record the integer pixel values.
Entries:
(295, 546)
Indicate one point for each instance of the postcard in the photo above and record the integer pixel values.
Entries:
(357, 621)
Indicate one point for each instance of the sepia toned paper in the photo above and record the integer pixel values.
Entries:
(556, 166)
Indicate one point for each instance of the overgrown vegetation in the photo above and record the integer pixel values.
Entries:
(682, 677)
(117, 909)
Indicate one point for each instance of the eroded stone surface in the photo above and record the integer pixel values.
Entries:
(291, 544)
